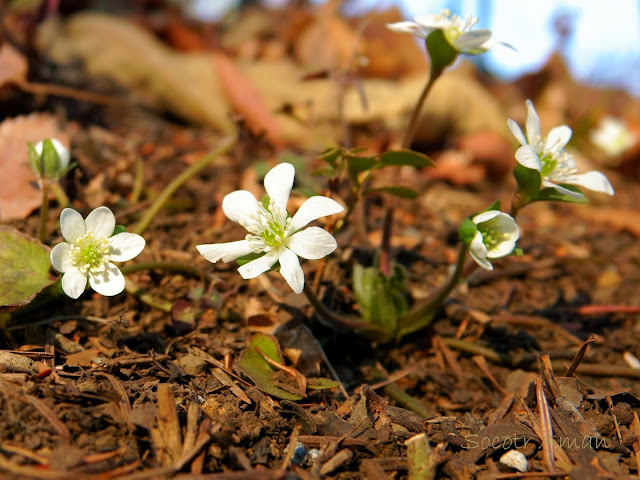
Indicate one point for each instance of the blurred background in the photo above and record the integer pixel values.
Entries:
(599, 40)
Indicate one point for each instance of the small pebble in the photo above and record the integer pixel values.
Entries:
(516, 460)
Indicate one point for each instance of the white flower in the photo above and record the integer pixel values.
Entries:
(613, 137)
(273, 232)
(89, 251)
(548, 156)
(458, 33)
(496, 237)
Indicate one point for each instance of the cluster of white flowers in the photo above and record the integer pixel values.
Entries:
(276, 239)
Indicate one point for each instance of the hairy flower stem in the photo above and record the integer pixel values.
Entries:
(329, 318)
(61, 196)
(133, 289)
(422, 314)
(170, 189)
(44, 210)
(176, 266)
(387, 228)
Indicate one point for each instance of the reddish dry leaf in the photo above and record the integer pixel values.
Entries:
(20, 194)
(246, 100)
(328, 43)
(13, 65)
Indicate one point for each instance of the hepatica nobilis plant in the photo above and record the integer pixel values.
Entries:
(275, 239)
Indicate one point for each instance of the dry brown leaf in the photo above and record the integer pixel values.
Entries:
(407, 59)
(20, 194)
(327, 44)
(246, 100)
(619, 218)
(185, 83)
(13, 65)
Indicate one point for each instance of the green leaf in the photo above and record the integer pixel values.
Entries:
(528, 180)
(253, 364)
(50, 160)
(550, 194)
(405, 157)
(356, 165)
(442, 53)
(383, 312)
(321, 383)
(119, 229)
(467, 231)
(395, 190)
(248, 258)
(332, 156)
(24, 268)
(34, 160)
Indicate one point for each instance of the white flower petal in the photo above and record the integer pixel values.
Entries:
(564, 191)
(291, 270)
(125, 246)
(101, 222)
(472, 40)
(408, 27)
(533, 122)
(72, 225)
(557, 139)
(595, 181)
(238, 206)
(60, 258)
(109, 282)
(74, 282)
(278, 183)
(485, 216)
(478, 252)
(502, 249)
(517, 132)
(507, 225)
(259, 265)
(312, 209)
(225, 251)
(312, 243)
(435, 21)
(527, 157)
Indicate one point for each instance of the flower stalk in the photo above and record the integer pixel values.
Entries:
(422, 314)
(170, 189)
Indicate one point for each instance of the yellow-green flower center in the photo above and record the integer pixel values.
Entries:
(90, 254)
(267, 227)
(491, 236)
(547, 165)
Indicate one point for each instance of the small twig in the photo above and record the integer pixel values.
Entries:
(578, 358)
(68, 92)
(475, 349)
(406, 400)
(546, 429)
(291, 447)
